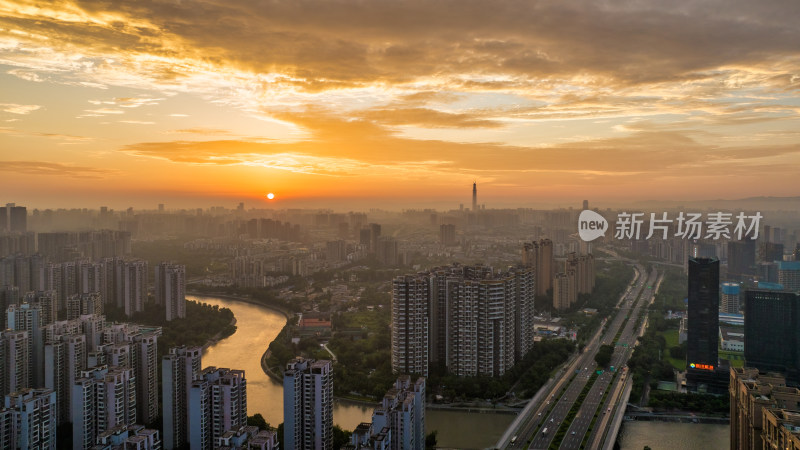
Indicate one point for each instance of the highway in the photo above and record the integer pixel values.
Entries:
(542, 420)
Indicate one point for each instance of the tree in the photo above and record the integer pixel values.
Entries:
(340, 437)
(603, 356)
(430, 440)
(257, 420)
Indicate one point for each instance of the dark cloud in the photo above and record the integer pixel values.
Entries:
(343, 43)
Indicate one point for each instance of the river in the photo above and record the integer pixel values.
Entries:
(257, 326)
(674, 436)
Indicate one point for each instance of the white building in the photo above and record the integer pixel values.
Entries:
(308, 405)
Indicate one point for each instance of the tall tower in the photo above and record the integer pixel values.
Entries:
(474, 196)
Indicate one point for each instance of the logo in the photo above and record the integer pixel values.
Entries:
(591, 225)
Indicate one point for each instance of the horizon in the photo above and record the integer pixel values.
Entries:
(544, 103)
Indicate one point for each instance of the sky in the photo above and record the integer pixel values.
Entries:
(396, 103)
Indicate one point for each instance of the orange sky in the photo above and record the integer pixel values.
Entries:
(396, 103)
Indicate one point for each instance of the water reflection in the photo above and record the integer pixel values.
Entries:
(257, 326)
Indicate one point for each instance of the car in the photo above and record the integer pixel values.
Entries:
(573, 433)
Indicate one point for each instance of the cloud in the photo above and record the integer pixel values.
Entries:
(50, 168)
(348, 147)
(14, 108)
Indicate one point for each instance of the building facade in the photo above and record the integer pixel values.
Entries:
(308, 405)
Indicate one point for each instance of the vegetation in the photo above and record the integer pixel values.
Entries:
(266, 296)
(364, 366)
(650, 360)
(702, 403)
(202, 323)
(340, 437)
(530, 374)
(672, 292)
(573, 411)
(258, 420)
(612, 279)
(603, 356)
(430, 440)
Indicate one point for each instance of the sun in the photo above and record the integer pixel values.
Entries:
(270, 196)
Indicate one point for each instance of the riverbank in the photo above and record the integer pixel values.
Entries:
(217, 337)
(286, 313)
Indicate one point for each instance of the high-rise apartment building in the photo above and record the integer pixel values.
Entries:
(447, 234)
(729, 301)
(402, 412)
(374, 234)
(27, 317)
(565, 292)
(16, 351)
(82, 304)
(28, 420)
(170, 287)
(789, 275)
(131, 285)
(178, 370)
(752, 395)
(336, 251)
(308, 405)
(64, 361)
(539, 255)
(387, 250)
(102, 399)
(13, 218)
(741, 257)
(411, 295)
(771, 331)
(217, 404)
(463, 318)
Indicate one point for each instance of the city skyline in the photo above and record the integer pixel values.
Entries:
(396, 104)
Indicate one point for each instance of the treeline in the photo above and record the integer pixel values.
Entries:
(266, 296)
(532, 372)
(649, 363)
(702, 403)
(612, 279)
(202, 322)
(672, 292)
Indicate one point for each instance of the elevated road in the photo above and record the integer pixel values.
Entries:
(537, 425)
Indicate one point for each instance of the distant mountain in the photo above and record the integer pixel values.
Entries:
(745, 204)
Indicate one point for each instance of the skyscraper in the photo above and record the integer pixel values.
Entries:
(771, 334)
(703, 319)
(178, 370)
(474, 196)
(171, 289)
(308, 405)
